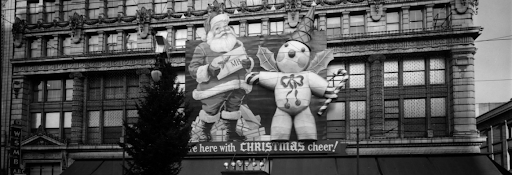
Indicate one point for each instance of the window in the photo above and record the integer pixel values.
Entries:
(392, 21)
(414, 118)
(438, 116)
(93, 43)
(94, 9)
(35, 48)
(43, 168)
(52, 123)
(180, 5)
(50, 9)
(200, 33)
(236, 28)
(180, 81)
(35, 122)
(113, 86)
(336, 122)
(203, 4)
(233, 3)
(276, 27)
(180, 38)
(275, 1)
(112, 8)
(131, 7)
(333, 26)
(66, 10)
(112, 41)
(414, 72)
(332, 71)
(160, 6)
(35, 11)
(357, 75)
(52, 90)
(106, 126)
(391, 118)
(67, 124)
(391, 73)
(415, 19)
(66, 45)
(496, 134)
(51, 50)
(357, 24)
(131, 40)
(254, 29)
(437, 69)
(253, 2)
(440, 17)
(357, 114)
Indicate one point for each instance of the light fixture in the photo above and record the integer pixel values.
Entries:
(16, 86)
(226, 164)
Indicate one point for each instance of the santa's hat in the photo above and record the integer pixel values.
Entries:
(215, 15)
(305, 27)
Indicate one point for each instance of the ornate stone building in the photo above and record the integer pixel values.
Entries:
(77, 67)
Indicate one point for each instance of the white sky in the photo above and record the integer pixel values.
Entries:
(493, 59)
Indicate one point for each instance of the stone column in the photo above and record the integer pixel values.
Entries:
(190, 32)
(20, 99)
(322, 22)
(345, 22)
(430, 15)
(243, 28)
(77, 114)
(405, 17)
(463, 96)
(265, 26)
(376, 96)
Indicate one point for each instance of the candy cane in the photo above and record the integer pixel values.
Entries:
(337, 89)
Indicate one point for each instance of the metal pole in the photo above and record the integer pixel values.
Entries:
(357, 152)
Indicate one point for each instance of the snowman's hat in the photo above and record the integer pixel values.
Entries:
(305, 27)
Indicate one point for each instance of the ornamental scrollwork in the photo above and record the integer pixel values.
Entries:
(293, 7)
(18, 29)
(76, 24)
(376, 9)
(143, 19)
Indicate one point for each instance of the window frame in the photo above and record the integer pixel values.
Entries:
(353, 26)
(335, 28)
(417, 20)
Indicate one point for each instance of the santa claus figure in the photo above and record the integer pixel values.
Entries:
(293, 76)
(219, 65)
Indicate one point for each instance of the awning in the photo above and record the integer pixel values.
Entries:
(472, 164)
(202, 166)
(95, 167)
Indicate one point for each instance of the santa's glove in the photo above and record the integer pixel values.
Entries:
(213, 71)
(246, 63)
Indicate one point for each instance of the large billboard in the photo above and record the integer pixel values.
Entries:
(265, 88)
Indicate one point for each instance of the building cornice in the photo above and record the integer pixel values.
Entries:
(495, 112)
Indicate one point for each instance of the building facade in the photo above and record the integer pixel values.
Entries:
(494, 126)
(77, 67)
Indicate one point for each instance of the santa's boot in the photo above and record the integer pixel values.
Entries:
(205, 126)
(230, 119)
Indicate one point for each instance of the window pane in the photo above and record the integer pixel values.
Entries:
(437, 77)
(390, 79)
(67, 119)
(52, 120)
(414, 108)
(253, 2)
(391, 27)
(132, 113)
(414, 78)
(414, 65)
(113, 118)
(69, 90)
(180, 6)
(38, 91)
(357, 20)
(131, 42)
(357, 110)
(66, 46)
(391, 66)
(392, 17)
(200, 32)
(35, 120)
(94, 119)
(254, 29)
(357, 81)
(336, 111)
(415, 15)
(416, 25)
(357, 29)
(131, 10)
(437, 63)
(54, 90)
(334, 22)
(357, 119)
(438, 107)
(333, 68)
(357, 68)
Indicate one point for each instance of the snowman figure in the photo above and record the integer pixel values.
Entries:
(294, 78)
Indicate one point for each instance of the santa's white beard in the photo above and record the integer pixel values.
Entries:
(224, 43)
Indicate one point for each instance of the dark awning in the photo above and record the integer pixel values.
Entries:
(304, 166)
(202, 166)
(95, 167)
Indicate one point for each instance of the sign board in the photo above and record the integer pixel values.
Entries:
(263, 147)
(15, 150)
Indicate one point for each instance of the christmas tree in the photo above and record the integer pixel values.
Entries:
(158, 141)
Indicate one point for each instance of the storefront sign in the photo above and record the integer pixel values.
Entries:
(15, 151)
(257, 147)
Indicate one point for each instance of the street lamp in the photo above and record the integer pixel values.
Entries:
(162, 48)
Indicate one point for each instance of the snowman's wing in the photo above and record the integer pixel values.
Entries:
(321, 61)
(267, 60)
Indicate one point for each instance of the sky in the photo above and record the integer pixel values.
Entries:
(493, 59)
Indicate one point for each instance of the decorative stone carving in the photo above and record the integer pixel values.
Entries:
(462, 6)
(293, 7)
(76, 26)
(376, 9)
(18, 29)
(143, 19)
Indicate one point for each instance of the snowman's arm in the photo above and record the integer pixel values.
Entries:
(265, 79)
(319, 85)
